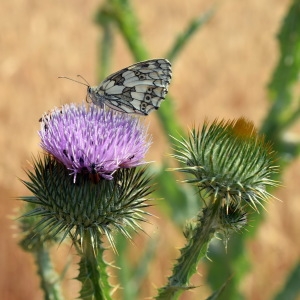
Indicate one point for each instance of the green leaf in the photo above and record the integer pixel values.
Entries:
(287, 70)
(217, 293)
(285, 107)
(188, 33)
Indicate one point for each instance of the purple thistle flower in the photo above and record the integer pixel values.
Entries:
(92, 140)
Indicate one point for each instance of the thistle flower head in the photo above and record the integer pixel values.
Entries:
(88, 141)
(229, 161)
(93, 140)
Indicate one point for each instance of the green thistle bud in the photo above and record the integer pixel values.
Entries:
(232, 167)
(229, 161)
(232, 218)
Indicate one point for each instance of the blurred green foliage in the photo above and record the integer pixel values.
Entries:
(180, 202)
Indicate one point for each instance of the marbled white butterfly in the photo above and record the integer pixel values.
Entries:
(139, 88)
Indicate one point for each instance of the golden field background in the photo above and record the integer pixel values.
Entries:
(222, 73)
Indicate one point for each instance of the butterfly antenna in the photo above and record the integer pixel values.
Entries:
(83, 80)
(80, 82)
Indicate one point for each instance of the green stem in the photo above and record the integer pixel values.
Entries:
(122, 14)
(106, 46)
(191, 254)
(192, 28)
(49, 279)
(89, 261)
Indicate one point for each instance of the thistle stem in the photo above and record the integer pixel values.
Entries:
(191, 254)
(89, 258)
(49, 279)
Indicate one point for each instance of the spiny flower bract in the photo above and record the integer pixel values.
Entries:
(229, 160)
(65, 208)
(91, 140)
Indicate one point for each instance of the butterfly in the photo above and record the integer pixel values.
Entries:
(139, 88)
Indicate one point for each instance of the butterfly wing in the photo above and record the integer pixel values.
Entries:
(138, 89)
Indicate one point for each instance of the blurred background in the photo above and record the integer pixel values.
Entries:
(222, 73)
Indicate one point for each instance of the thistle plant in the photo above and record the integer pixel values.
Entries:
(87, 192)
(87, 186)
(232, 167)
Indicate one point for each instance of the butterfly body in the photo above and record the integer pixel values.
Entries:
(139, 88)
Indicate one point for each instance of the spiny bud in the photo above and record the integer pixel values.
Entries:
(229, 161)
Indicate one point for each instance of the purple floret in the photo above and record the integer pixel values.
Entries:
(94, 140)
